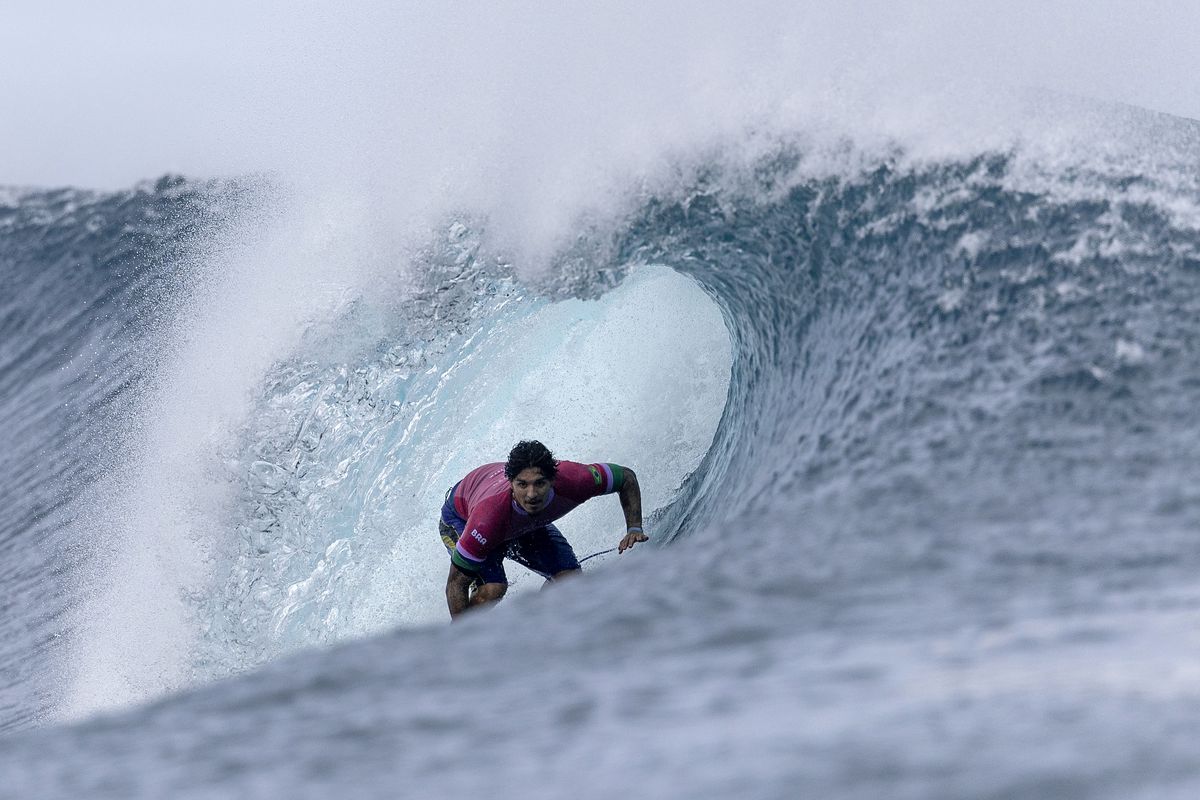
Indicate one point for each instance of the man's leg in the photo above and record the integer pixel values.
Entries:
(483, 593)
(466, 590)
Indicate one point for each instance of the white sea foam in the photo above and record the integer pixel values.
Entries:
(590, 378)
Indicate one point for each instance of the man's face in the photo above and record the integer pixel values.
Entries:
(530, 489)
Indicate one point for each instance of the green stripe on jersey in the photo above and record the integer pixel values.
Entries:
(463, 563)
(618, 476)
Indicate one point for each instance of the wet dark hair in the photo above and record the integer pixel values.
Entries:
(531, 453)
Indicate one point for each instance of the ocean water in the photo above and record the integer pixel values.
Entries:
(917, 430)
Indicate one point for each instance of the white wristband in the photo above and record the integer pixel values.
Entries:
(637, 528)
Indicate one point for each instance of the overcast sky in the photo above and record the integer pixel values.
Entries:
(103, 94)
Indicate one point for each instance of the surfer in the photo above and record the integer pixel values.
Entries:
(507, 509)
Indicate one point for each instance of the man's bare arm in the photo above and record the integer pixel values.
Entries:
(630, 494)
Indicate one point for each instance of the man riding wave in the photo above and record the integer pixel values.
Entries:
(507, 509)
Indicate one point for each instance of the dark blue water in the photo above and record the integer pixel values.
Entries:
(922, 436)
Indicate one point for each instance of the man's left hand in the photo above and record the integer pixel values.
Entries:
(631, 538)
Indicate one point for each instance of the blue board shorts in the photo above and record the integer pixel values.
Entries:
(543, 550)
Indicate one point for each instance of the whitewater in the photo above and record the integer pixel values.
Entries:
(908, 380)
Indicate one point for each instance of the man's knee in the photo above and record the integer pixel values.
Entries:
(488, 593)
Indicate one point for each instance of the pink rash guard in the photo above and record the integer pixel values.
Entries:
(484, 499)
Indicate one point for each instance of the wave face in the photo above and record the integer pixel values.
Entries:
(919, 437)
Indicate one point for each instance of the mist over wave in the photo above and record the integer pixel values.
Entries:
(91, 281)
